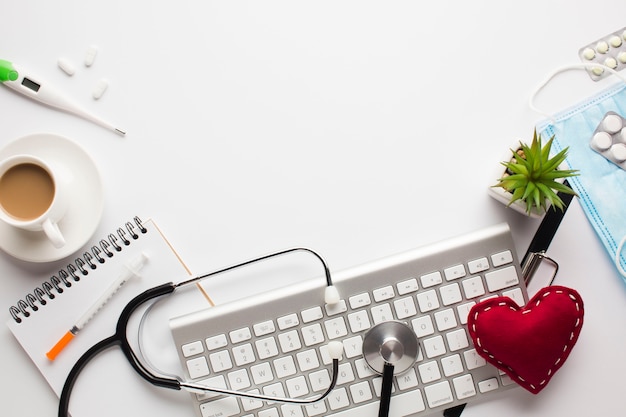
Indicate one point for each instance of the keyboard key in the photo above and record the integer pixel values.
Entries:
(454, 272)
(445, 319)
(428, 301)
(289, 341)
(262, 373)
(450, 294)
(405, 307)
(320, 380)
(502, 278)
(407, 380)
(464, 310)
(381, 313)
(338, 308)
(452, 365)
(406, 287)
(423, 326)
(213, 382)
(264, 328)
(501, 258)
(297, 387)
(291, 410)
(401, 405)
(478, 265)
(438, 394)
(434, 346)
(382, 294)
(240, 335)
(338, 399)
(193, 348)
(274, 390)
(457, 339)
(284, 366)
(197, 367)
(216, 342)
(250, 404)
(287, 322)
(473, 360)
(224, 407)
(243, 354)
(336, 328)
(312, 335)
(515, 295)
(316, 409)
(361, 392)
(270, 412)
(473, 287)
(359, 321)
(488, 385)
(312, 314)
(432, 279)
(239, 380)
(360, 300)
(464, 386)
(266, 348)
(220, 361)
(346, 374)
(353, 347)
(429, 372)
(307, 360)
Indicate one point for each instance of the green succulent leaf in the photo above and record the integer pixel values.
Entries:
(533, 175)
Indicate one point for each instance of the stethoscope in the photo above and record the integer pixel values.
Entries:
(389, 348)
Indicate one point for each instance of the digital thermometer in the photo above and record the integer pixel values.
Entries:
(37, 89)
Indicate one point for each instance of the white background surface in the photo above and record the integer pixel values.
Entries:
(357, 128)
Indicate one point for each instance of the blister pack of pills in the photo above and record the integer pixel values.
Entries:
(610, 50)
(609, 139)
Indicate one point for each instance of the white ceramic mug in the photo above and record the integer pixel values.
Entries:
(34, 195)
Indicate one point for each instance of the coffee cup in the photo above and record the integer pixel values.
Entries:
(33, 195)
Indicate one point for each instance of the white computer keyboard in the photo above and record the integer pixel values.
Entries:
(276, 343)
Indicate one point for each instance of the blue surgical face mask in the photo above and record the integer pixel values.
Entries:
(601, 185)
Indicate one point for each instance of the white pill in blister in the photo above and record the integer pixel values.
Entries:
(589, 54)
(99, 89)
(610, 62)
(90, 56)
(66, 66)
(612, 123)
(602, 140)
(597, 70)
(619, 152)
(621, 57)
(602, 47)
(623, 135)
(615, 41)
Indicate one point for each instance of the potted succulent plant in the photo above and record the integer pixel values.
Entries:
(531, 178)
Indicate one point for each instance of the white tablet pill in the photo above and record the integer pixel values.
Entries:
(66, 66)
(602, 47)
(589, 54)
(619, 152)
(621, 57)
(602, 141)
(612, 123)
(99, 89)
(623, 135)
(90, 56)
(597, 70)
(615, 41)
(610, 62)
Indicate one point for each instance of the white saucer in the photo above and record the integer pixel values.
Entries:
(86, 206)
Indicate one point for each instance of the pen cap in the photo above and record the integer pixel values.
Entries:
(7, 72)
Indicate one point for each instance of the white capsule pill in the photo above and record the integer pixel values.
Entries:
(602, 141)
(99, 89)
(66, 66)
(90, 55)
(621, 57)
(619, 152)
(589, 54)
(612, 123)
(602, 47)
(615, 41)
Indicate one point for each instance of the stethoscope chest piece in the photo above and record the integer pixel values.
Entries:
(390, 343)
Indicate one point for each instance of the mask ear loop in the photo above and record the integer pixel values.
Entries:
(531, 99)
(618, 255)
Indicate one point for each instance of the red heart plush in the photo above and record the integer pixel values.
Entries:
(531, 343)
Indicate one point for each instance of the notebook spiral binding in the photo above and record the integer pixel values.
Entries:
(96, 255)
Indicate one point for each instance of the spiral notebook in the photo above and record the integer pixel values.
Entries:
(45, 314)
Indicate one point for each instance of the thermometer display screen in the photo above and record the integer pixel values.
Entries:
(30, 84)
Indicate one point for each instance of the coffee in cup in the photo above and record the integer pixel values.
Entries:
(32, 196)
